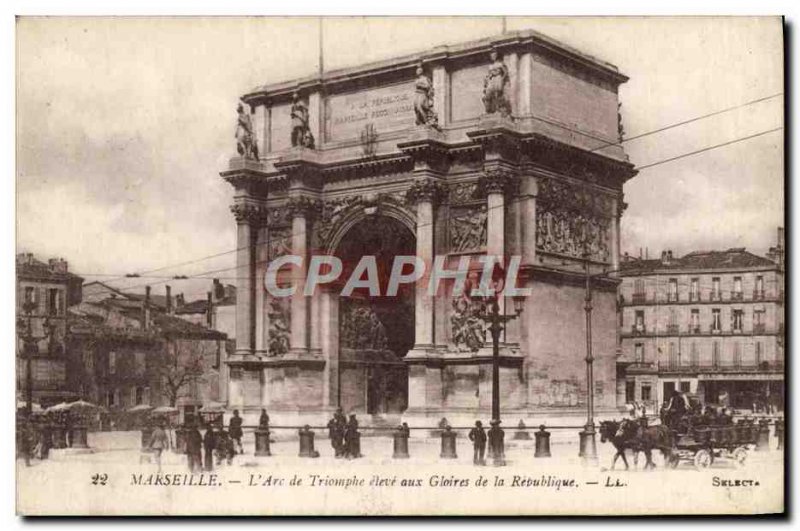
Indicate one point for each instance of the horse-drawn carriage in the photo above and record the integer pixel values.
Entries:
(690, 438)
(701, 444)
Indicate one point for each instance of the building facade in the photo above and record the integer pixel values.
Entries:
(503, 147)
(44, 292)
(126, 352)
(709, 323)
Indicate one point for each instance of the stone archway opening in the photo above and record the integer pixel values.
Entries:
(375, 333)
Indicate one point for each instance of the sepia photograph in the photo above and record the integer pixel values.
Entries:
(400, 266)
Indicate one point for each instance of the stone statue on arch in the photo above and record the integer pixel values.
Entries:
(495, 85)
(246, 143)
(301, 130)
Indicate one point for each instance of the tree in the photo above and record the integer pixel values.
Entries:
(180, 368)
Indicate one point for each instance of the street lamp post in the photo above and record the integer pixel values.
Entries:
(588, 445)
(497, 324)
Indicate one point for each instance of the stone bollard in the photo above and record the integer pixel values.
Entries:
(588, 446)
(542, 442)
(180, 441)
(400, 436)
(262, 442)
(448, 443)
(307, 442)
(59, 437)
(47, 441)
(762, 442)
(522, 433)
(147, 433)
(78, 437)
(355, 445)
(779, 433)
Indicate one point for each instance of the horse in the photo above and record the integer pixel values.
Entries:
(647, 438)
(608, 432)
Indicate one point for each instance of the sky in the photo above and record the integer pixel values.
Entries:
(123, 126)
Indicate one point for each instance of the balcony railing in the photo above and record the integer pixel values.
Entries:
(758, 295)
(639, 298)
(759, 328)
(694, 297)
(715, 296)
(763, 367)
(672, 297)
(673, 329)
(737, 296)
(693, 328)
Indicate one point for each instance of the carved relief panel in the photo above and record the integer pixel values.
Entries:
(573, 221)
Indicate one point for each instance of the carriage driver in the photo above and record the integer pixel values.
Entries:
(676, 409)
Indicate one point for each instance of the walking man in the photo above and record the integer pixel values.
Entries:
(235, 431)
(158, 442)
(209, 443)
(478, 437)
(194, 445)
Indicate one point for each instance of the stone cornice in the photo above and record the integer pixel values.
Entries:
(498, 180)
(575, 162)
(304, 206)
(248, 213)
(403, 67)
(428, 153)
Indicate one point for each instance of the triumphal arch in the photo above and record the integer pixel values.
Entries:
(508, 146)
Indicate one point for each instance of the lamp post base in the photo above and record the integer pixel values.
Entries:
(588, 446)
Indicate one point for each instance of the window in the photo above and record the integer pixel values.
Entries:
(759, 291)
(716, 320)
(738, 318)
(693, 354)
(673, 355)
(639, 352)
(117, 398)
(758, 321)
(146, 395)
(112, 362)
(672, 327)
(737, 288)
(110, 398)
(138, 396)
(715, 289)
(694, 321)
(639, 324)
(52, 301)
(715, 354)
(685, 387)
(630, 392)
(759, 353)
(673, 289)
(737, 354)
(638, 290)
(694, 289)
(646, 393)
(140, 362)
(134, 396)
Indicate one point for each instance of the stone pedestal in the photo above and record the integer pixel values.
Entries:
(588, 446)
(59, 437)
(307, 443)
(78, 437)
(542, 443)
(762, 442)
(448, 444)
(262, 442)
(400, 445)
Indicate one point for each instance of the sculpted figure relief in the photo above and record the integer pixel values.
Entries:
(423, 101)
(246, 144)
(467, 327)
(495, 99)
(301, 132)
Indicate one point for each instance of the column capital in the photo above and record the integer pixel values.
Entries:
(425, 190)
(247, 213)
(498, 180)
(303, 206)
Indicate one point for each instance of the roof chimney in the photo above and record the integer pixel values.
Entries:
(218, 290)
(146, 309)
(209, 310)
(169, 299)
(666, 257)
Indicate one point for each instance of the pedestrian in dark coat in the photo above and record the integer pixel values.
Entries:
(209, 443)
(478, 437)
(194, 446)
(235, 430)
(352, 440)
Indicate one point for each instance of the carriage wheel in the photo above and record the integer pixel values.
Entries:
(703, 458)
(740, 456)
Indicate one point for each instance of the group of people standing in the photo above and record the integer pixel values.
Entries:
(344, 435)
